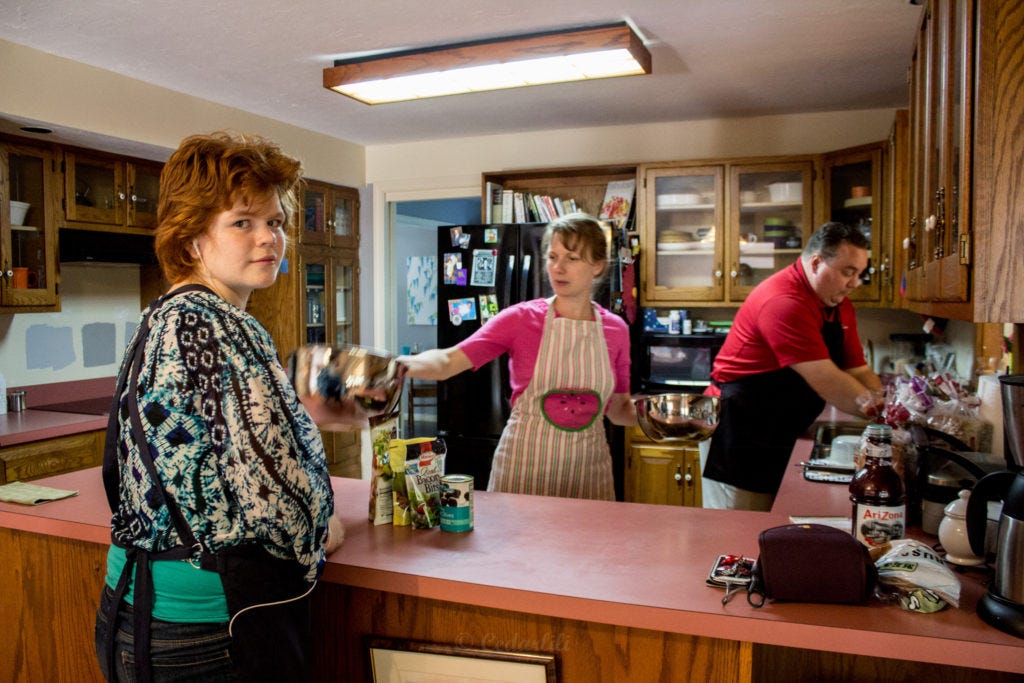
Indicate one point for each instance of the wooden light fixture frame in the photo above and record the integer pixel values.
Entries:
(491, 51)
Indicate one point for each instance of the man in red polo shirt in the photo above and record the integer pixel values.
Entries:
(793, 347)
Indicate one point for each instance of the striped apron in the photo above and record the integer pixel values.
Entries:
(536, 455)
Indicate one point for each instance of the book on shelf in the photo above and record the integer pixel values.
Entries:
(519, 214)
(506, 206)
(549, 205)
(618, 200)
(493, 195)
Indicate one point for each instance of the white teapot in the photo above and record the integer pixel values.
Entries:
(953, 533)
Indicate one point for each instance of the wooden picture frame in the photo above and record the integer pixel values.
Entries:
(393, 659)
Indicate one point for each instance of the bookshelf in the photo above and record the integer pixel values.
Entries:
(584, 184)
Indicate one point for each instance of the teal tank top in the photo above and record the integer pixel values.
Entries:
(181, 593)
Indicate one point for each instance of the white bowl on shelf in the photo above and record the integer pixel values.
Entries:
(786, 192)
(677, 200)
(18, 212)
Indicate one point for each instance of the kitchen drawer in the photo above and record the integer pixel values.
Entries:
(51, 456)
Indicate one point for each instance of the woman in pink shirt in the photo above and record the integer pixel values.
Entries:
(568, 366)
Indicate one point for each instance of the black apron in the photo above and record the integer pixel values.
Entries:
(267, 597)
(761, 418)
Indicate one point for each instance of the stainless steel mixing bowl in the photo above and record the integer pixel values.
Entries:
(677, 417)
(362, 378)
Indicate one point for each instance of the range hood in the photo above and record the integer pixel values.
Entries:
(93, 246)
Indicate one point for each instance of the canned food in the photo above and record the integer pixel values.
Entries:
(456, 502)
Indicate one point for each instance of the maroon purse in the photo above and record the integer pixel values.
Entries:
(811, 563)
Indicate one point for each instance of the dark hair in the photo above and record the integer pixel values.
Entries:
(827, 239)
(207, 174)
(579, 232)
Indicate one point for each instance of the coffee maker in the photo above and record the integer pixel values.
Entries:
(1003, 605)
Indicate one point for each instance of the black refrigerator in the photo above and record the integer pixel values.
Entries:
(484, 269)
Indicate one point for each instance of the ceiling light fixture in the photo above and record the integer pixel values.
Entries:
(535, 59)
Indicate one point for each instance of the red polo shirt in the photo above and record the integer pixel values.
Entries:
(779, 324)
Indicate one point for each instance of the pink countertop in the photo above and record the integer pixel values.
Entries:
(625, 564)
(37, 423)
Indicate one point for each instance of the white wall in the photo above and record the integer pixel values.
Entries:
(61, 92)
(90, 294)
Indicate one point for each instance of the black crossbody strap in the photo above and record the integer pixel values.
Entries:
(138, 558)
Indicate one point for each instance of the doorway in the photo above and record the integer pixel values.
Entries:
(413, 301)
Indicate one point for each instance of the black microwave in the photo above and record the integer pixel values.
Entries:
(675, 362)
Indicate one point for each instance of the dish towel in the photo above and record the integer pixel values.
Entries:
(31, 494)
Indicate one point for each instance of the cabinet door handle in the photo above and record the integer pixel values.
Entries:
(678, 476)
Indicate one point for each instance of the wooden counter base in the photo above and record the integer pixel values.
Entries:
(615, 590)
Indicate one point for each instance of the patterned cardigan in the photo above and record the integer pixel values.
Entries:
(230, 440)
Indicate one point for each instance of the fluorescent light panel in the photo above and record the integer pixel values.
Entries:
(555, 57)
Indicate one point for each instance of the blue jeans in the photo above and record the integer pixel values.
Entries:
(179, 652)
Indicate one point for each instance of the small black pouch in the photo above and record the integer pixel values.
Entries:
(811, 563)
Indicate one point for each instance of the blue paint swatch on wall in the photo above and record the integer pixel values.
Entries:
(48, 347)
(98, 344)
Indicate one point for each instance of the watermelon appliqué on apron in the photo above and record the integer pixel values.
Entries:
(571, 410)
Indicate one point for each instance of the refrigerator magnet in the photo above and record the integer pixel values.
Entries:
(488, 306)
(452, 266)
(456, 234)
(490, 235)
(461, 309)
(484, 267)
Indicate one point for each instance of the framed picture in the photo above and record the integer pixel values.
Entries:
(398, 661)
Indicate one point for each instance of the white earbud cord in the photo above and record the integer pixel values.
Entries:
(267, 604)
(204, 276)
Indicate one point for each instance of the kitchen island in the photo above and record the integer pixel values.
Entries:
(615, 591)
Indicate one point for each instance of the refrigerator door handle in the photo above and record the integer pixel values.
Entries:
(524, 282)
(509, 271)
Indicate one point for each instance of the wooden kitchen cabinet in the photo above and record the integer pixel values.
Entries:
(317, 300)
(710, 233)
(965, 259)
(107, 192)
(661, 473)
(853, 193)
(51, 456)
(28, 251)
(330, 215)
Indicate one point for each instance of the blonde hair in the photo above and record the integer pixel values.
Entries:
(582, 233)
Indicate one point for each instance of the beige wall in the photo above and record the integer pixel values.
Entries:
(452, 167)
(38, 86)
(464, 159)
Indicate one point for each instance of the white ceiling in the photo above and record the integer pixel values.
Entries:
(711, 58)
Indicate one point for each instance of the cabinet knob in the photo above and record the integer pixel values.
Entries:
(678, 476)
(688, 478)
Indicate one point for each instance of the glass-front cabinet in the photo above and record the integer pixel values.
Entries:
(329, 215)
(711, 233)
(853, 194)
(28, 227)
(109, 191)
(329, 304)
(683, 243)
(770, 220)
